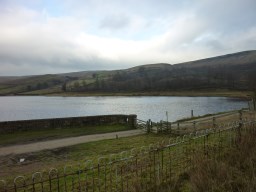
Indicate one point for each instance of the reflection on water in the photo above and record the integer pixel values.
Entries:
(154, 108)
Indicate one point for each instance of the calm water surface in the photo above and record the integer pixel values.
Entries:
(154, 108)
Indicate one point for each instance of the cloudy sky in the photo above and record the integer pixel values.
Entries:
(55, 36)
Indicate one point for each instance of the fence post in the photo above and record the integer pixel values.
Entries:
(240, 115)
(194, 126)
(148, 126)
(214, 123)
(170, 127)
(240, 125)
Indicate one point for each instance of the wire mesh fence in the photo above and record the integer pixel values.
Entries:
(139, 169)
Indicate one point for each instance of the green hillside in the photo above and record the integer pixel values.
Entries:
(235, 72)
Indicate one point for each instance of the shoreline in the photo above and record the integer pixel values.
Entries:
(203, 93)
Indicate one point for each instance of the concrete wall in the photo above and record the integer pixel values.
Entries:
(25, 125)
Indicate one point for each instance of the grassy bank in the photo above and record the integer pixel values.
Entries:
(48, 134)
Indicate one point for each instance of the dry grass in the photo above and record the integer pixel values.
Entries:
(234, 171)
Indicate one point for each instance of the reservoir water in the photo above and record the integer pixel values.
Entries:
(146, 107)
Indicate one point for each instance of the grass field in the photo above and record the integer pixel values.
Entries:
(43, 160)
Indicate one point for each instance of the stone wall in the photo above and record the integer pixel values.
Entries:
(26, 125)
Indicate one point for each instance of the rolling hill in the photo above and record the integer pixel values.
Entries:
(232, 72)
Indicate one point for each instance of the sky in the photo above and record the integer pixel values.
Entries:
(57, 36)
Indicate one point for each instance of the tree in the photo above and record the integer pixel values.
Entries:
(84, 83)
(45, 85)
(97, 83)
(38, 86)
(141, 70)
(94, 75)
(103, 84)
(76, 85)
(29, 88)
(64, 87)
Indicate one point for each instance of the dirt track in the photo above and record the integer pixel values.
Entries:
(53, 144)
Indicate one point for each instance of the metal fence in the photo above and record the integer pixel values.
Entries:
(140, 169)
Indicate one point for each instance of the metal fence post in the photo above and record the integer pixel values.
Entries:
(170, 131)
(240, 125)
(148, 126)
(194, 126)
(214, 123)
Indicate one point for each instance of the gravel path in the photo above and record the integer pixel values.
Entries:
(53, 144)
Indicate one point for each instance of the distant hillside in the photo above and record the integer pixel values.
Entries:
(241, 58)
(4, 79)
(233, 71)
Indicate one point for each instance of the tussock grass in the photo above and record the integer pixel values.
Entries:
(235, 170)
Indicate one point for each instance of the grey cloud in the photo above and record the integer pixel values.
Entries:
(227, 16)
(114, 22)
